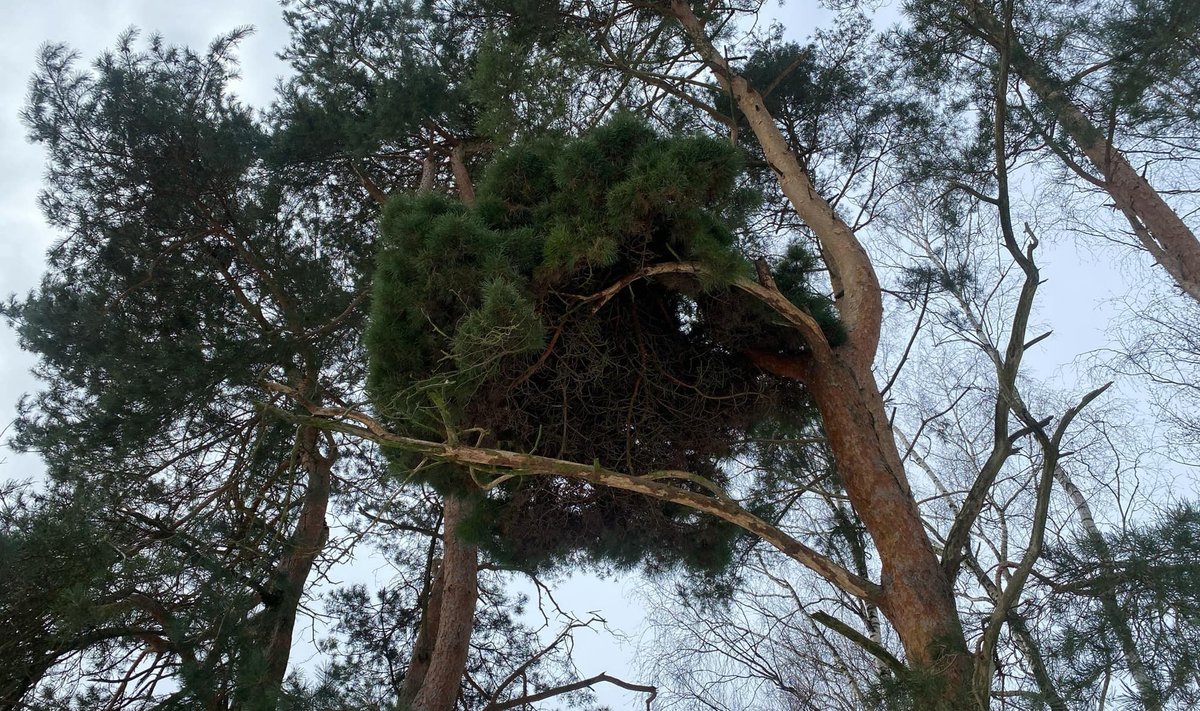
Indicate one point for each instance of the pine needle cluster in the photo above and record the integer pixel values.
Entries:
(524, 323)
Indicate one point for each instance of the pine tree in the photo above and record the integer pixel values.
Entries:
(1105, 88)
(213, 276)
(185, 278)
(517, 285)
(496, 321)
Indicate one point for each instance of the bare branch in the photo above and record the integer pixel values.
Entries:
(515, 463)
(874, 648)
(651, 691)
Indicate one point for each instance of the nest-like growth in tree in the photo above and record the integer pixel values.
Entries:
(495, 324)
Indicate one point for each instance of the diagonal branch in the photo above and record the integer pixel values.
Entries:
(651, 691)
(850, 269)
(1052, 455)
(874, 648)
(524, 666)
(766, 292)
(518, 464)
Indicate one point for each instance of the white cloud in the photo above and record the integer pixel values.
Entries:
(90, 27)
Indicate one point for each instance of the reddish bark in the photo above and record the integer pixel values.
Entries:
(426, 637)
(919, 603)
(917, 597)
(1159, 229)
(1157, 226)
(462, 176)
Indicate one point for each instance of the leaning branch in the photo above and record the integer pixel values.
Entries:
(650, 691)
(766, 292)
(850, 270)
(377, 193)
(515, 463)
(874, 648)
(1052, 453)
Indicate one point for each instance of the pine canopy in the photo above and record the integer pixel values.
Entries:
(494, 324)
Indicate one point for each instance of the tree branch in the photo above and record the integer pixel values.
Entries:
(850, 269)
(871, 646)
(518, 464)
(575, 686)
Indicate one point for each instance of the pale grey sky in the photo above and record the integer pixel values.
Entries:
(90, 28)
(1072, 302)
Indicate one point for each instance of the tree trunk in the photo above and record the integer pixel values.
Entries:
(454, 616)
(426, 639)
(917, 596)
(439, 658)
(1157, 226)
(462, 176)
(1147, 691)
(287, 586)
(1161, 231)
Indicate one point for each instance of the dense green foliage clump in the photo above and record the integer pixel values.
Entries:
(526, 323)
(55, 567)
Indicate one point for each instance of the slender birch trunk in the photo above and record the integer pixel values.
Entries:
(1147, 691)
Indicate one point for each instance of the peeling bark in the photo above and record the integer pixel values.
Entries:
(917, 597)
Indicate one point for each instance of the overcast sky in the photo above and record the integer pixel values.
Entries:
(90, 28)
(1074, 301)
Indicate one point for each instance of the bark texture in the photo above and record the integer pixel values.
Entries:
(455, 615)
(282, 598)
(1159, 229)
(423, 646)
(917, 600)
(916, 593)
